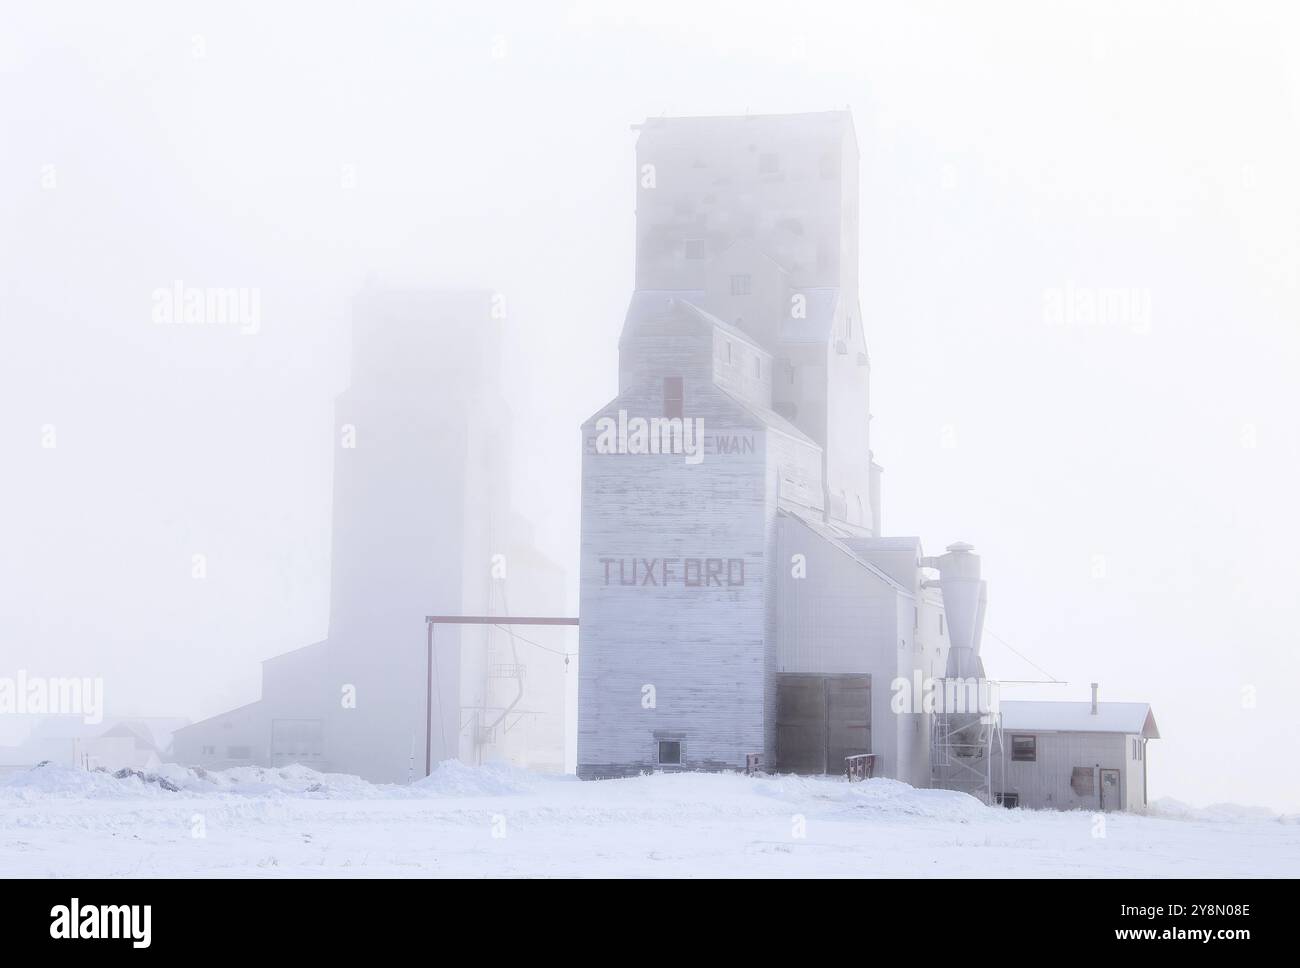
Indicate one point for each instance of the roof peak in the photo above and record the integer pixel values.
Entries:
(839, 114)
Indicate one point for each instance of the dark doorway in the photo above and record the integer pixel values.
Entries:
(820, 720)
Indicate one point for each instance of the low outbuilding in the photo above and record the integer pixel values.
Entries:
(1074, 755)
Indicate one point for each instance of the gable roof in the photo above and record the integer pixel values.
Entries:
(297, 653)
(816, 326)
(797, 127)
(763, 417)
(1131, 718)
(649, 306)
(137, 732)
(212, 719)
(830, 535)
(769, 418)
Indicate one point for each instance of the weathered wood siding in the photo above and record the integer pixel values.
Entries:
(673, 638)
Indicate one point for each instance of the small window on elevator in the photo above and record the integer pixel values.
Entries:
(672, 396)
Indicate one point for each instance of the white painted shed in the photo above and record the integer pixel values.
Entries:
(1075, 755)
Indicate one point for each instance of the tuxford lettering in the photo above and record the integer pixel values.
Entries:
(687, 572)
(102, 921)
(655, 435)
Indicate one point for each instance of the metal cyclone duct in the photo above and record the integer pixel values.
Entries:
(964, 598)
(963, 742)
(979, 627)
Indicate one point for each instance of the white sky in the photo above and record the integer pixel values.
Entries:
(1009, 150)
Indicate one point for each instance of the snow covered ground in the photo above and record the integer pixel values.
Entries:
(498, 821)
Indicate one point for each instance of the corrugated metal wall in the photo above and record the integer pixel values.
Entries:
(1045, 783)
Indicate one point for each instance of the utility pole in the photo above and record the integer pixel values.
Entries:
(428, 706)
(430, 621)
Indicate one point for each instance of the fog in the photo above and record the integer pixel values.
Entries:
(1128, 472)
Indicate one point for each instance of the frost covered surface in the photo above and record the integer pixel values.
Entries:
(1172, 809)
(497, 820)
(448, 779)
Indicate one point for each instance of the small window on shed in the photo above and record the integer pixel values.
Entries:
(1081, 781)
(1024, 749)
(695, 249)
(670, 752)
(742, 284)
